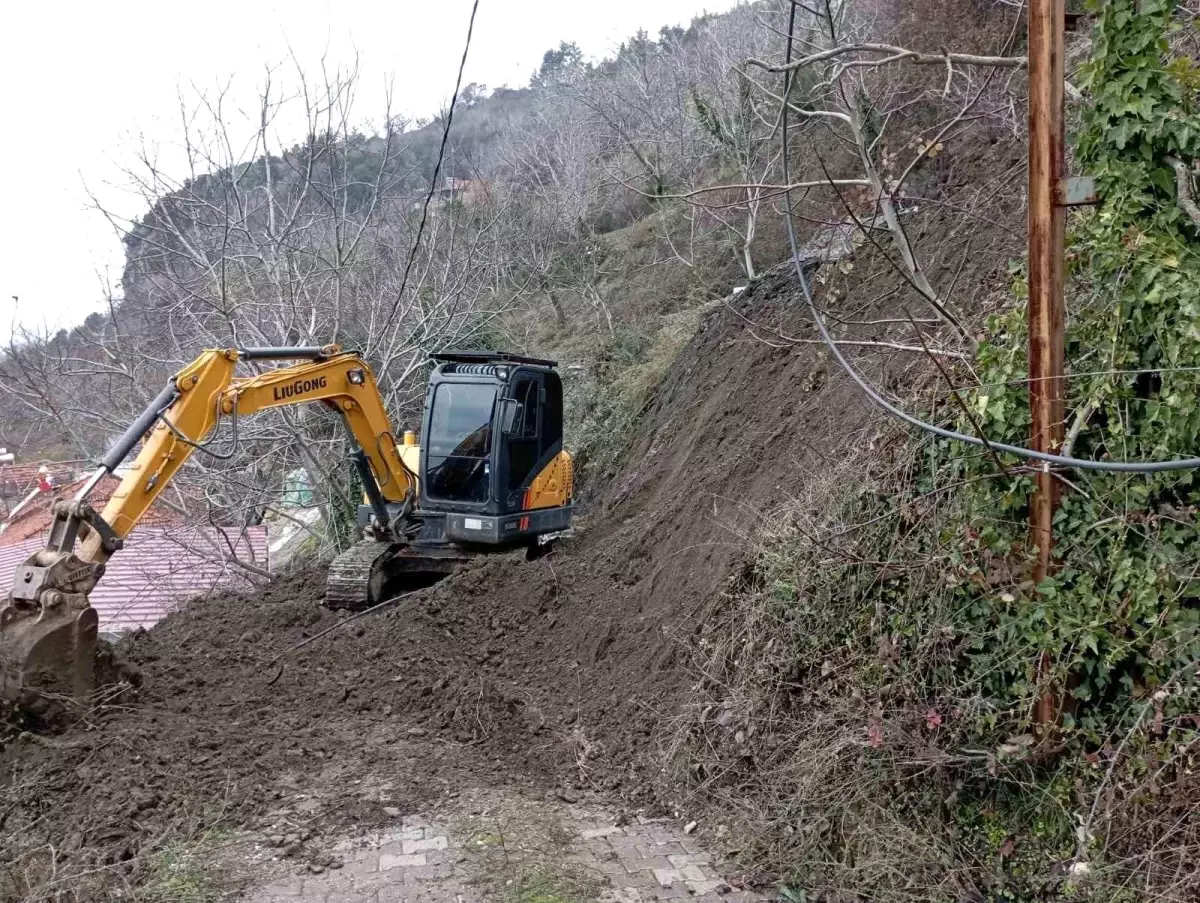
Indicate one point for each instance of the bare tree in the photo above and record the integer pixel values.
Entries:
(257, 242)
(848, 82)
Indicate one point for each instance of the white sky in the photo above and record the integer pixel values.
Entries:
(84, 84)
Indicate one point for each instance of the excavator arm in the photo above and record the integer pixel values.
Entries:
(205, 394)
(48, 629)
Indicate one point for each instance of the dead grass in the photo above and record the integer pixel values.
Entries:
(781, 737)
(837, 731)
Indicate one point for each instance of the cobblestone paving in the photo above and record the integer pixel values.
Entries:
(528, 850)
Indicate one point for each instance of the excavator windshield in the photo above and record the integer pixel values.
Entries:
(459, 443)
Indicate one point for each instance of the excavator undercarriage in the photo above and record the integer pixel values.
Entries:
(492, 474)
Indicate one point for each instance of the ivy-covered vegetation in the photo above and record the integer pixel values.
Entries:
(1119, 616)
(886, 646)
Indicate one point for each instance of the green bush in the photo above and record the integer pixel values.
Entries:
(865, 715)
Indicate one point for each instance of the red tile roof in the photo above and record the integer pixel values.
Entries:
(159, 568)
(18, 479)
(36, 518)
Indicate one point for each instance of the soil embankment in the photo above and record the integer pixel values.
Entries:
(557, 673)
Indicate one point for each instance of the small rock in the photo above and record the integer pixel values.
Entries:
(567, 795)
(417, 731)
(690, 827)
(391, 811)
(316, 868)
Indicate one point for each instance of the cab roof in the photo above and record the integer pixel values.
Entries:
(489, 357)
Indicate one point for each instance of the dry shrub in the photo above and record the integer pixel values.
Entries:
(604, 406)
(784, 738)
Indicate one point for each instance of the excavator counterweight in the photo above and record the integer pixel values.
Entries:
(491, 474)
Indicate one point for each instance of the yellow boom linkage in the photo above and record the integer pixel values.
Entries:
(48, 630)
(208, 392)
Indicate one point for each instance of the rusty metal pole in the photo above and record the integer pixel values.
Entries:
(1047, 384)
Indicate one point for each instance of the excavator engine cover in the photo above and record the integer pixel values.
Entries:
(48, 637)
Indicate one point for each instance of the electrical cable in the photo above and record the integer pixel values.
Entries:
(870, 391)
(437, 171)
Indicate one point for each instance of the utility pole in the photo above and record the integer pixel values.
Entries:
(1047, 187)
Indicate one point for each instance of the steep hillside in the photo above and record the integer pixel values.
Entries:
(563, 672)
(805, 630)
(556, 671)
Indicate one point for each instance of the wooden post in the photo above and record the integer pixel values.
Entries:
(1047, 383)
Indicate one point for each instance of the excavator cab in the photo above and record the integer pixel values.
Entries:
(493, 470)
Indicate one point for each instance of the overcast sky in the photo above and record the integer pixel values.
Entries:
(85, 85)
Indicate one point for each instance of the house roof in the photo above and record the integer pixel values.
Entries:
(17, 479)
(159, 568)
(35, 519)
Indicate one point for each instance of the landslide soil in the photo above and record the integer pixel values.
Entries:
(558, 673)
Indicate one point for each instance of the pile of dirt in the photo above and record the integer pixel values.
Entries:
(558, 673)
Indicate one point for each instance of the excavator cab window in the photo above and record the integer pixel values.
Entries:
(490, 430)
(523, 446)
(459, 443)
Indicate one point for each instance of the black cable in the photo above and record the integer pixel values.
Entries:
(869, 390)
(437, 171)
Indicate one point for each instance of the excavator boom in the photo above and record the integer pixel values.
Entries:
(48, 629)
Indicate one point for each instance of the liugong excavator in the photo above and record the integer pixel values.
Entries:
(490, 474)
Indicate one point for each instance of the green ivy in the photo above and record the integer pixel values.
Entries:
(921, 618)
(1120, 617)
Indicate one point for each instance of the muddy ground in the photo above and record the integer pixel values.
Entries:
(558, 675)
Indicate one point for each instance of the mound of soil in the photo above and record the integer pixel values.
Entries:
(564, 671)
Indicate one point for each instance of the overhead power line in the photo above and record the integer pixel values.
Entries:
(872, 393)
(437, 171)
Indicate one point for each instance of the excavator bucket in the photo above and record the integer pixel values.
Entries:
(48, 633)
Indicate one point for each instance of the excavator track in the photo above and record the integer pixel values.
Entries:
(349, 583)
(371, 572)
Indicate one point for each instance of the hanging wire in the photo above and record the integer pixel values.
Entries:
(870, 391)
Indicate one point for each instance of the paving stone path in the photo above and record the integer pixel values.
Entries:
(517, 849)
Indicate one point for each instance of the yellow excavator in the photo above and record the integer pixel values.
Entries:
(490, 474)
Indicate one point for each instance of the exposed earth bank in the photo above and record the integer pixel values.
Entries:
(561, 674)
